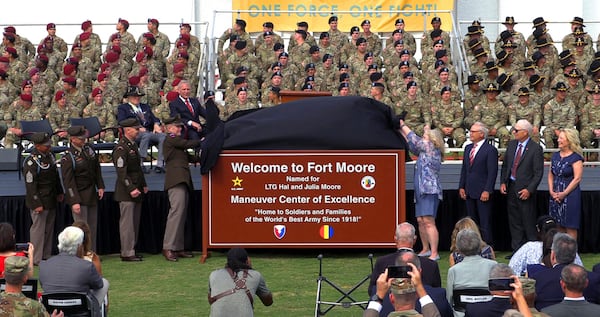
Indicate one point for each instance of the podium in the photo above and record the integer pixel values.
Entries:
(291, 95)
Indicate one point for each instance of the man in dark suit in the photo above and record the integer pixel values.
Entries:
(190, 111)
(573, 281)
(178, 183)
(151, 131)
(522, 171)
(478, 177)
(405, 238)
(500, 298)
(547, 287)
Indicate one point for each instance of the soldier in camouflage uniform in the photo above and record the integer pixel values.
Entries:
(264, 54)
(86, 70)
(589, 117)
(24, 47)
(163, 44)
(525, 109)
(240, 103)
(493, 114)
(581, 57)
(301, 50)
(239, 29)
(443, 80)
(373, 40)
(418, 112)
(59, 115)
(275, 38)
(75, 98)
(310, 40)
(406, 37)
(377, 90)
(12, 301)
(16, 69)
(539, 94)
(514, 36)
(475, 33)
(507, 88)
(349, 48)
(96, 42)
(8, 91)
(239, 59)
(436, 34)
(127, 41)
(568, 42)
(326, 75)
(447, 116)
(338, 39)
(275, 82)
(473, 94)
(25, 112)
(273, 97)
(104, 112)
(558, 113)
(576, 92)
(288, 70)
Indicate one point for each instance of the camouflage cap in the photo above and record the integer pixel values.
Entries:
(16, 265)
(528, 285)
(402, 286)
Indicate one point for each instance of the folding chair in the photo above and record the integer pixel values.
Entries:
(92, 124)
(30, 127)
(72, 304)
(29, 289)
(345, 294)
(462, 297)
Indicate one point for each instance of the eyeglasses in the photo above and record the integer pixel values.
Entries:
(517, 130)
(474, 131)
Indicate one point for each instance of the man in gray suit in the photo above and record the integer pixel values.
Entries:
(66, 272)
(403, 296)
(573, 281)
(522, 171)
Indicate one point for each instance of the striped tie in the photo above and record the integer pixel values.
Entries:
(472, 154)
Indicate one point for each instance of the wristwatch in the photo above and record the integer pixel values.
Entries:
(376, 298)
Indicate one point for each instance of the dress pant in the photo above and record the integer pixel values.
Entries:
(129, 225)
(89, 215)
(175, 229)
(144, 139)
(41, 233)
(521, 217)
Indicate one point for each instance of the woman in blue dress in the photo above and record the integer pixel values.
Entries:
(563, 182)
(428, 192)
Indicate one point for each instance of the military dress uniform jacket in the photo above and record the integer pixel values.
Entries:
(177, 160)
(127, 162)
(81, 176)
(42, 183)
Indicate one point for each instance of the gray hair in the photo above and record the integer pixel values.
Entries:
(405, 232)
(501, 270)
(484, 129)
(468, 242)
(574, 277)
(525, 125)
(69, 240)
(564, 248)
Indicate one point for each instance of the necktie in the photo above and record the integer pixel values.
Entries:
(513, 171)
(140, 115)
(189, 106)
(472, 154)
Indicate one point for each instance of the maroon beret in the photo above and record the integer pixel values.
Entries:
(43, 58)
(111, 57)
(104, 66)
(26, 82)
(97, 91)
(178, 67)
(134, 80)
(86, 25)
(84, 36)
(50, 26)
(4, 59)
(68, 69)
(143, 72)
(172, 95)
(59, 95)
(70, 80)
(115, 36)
(101, 77)
(12, 51)
(175, 82)
(139, 56)
(33, 71)
(10, 29)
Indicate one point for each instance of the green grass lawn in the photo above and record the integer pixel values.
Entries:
(156, 287)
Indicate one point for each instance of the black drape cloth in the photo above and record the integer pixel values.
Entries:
(156, 208)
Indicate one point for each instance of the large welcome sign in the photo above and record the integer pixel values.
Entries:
(296, 199)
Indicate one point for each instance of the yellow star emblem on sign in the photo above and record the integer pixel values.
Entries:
(237, 182)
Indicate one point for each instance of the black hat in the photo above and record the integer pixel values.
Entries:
(471, 30)
(343, 85)
(528, 65)
(241, 69)
(490, 66)
(505, 35)
(594, 90)
(276, 64)
(441, 53)
(535, 79)
(479, 52)
(523, 91)
(510, 20)
(77, 131)
(240, 45)
(491, 87)
(594, 67)
(396, 31)
(443, 70)
(565, 54)
(278, 46)
(344, 76)
(284, 54)
(580, 42)
(437, 63)
(472, 79)
(398, 42)
(323, 35)
(578, 20)
(309, 78)
(399, 21)
(275, 89)
(277, 74)
(133, 91)
(435, 33)
(503, 79)
(502, 56)
(579, 31)
(404, 63)
(130, 123)
(542, 42)
(343, 66)
(176, 120)
(354, 29)
(241, 89)
(367, 55)
(574, 73)
(372, 66)
(313, 49)
(365, 22)
(377, 85)
(477, 23)
(404, 52)
(473, 43)
(208, 93)
(360, 40)
(537, 56)
(332, 19)
(537, 33)
(307, 86)
(408, 74)
(436, 19)
(508, 44)
(326, 57)
(302, 32)
(444, 89)
(239, 80)
(268, 33)
(411, 83)
(41, 138)
(302, 24)
(560, 86)
(268, 25)
(538, 21)
(375, 76)
(309, 66)
(240, 22)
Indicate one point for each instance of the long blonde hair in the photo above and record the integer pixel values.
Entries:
(435, 136)
(465, 223)
(572, 136)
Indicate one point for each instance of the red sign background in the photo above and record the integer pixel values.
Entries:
(360, 195)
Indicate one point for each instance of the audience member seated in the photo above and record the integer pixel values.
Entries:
(473, 271)
(486, 251)
(437, 294)
(532, 252)
(528, 286)
(66, 272)
(573, 282)
(405, 238)
(8, 247)
(500, 299)
(548, 288)
(13, 302)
